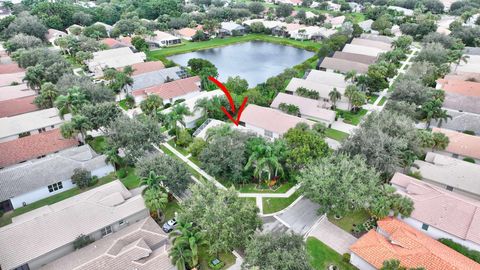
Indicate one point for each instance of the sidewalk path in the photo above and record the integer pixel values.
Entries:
(334, 237)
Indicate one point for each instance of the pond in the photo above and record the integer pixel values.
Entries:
(255, 61)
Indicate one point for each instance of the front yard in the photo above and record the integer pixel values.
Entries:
(322, 256)
(348, 222)
(272, 205)
(351, 117)
(337, 135)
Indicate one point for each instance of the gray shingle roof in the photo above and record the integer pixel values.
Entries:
(156, 77)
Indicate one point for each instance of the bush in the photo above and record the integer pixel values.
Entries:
(197, 146)
(82, 241)
(470, 253)
(82, 178)
(217, 266)
(469, 159)
(122, 173)
(184, 138)
(1, 213)
(416, 174)
(346, 257)
(469, 132)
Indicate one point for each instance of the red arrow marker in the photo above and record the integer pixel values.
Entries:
(230, 100)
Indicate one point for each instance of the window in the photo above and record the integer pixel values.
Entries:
(40, 130)
(55, 187)
(106, 231)
(268, 134)
(121, 222)
(425, 227)
(455, 155)
(449, 188)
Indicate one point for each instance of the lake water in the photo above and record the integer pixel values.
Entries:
(255, 61)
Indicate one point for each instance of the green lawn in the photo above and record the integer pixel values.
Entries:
(321, 256)
(372, 99)
(272, 205)
(98, 144)
(182, 150)
(227, 258)
(7, 217)
(253, 188)
(336, 134)
(347, 222)
(356, 17)
(189, 46)
(130, 181)
(124, 105)
(350, 117)
(170, 210)
(382, 101)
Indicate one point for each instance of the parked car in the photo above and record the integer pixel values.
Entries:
(169, 225)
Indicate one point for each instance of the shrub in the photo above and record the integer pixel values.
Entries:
(346, 257)
(289, 109)
(197, 146)
(82, 241)
(1, 213)
(82, 178)
(470, 253)
(416, 174)
(469, 132)
(184, 138)
(304, 92)
(217, 266)
(122, 173)
(469, 159)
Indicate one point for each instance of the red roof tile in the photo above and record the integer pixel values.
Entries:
(33, 146)
(17, 106)
(465, 88)
(146, 67)
(175, 89)
(110, 42)
(10, 68)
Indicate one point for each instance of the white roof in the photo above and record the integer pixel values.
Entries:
(365, 50)
(328, 78)
(159, 36)
(472, 65)
(45, 229)
(230, 26)
(308, 107)
(322, 89)
(366, 25)
(190, 103)
(107, 26)
(116, 58)
(371, 43)
(451, 172)
(7, 79)
(405, 11)
(14, 125)
(15, 91)
(267, 24)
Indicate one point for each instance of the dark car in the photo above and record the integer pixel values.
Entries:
(169, 225)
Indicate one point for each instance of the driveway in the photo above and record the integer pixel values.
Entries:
(332, 236)
(271, 224)
(301, 217)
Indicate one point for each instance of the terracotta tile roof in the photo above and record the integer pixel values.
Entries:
(461, 143)
(175, 89)
(17, 106)
(10, 68)
(110, 42)
(145, 67)
(397, 240)
(446, 211)
(31, 147)
(461, 87)
(187, 32)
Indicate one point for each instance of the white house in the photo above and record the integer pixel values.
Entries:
(312, 32)
(54, 34)
(170, 92)
(322, 89)
(268, 122)
(361, 49)
(162, 39)
(114, 58)
(440, 213)
(50, 231)
(231, 29)
(108, 27)
(329, 78)
(34, 180)
(404, 11)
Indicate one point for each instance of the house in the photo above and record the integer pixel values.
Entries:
(191, 120)
(355, 57)
(309, 108)
(12, 128)
(355, 7)
(462, 87)
(312, 32)
(335, 21)
(33, 147)
(171, 91)
(11, 79)
(461, 145)
(460, 121)
(366, 25)
(371, 43)
(269, 122)
(341, 65)
(471, 66)
(231, 29)
(266, 23)
(361, 49)
(186, 33)
(440, 213)
(145, 67)
(34, 180)
(54, 34)
(384, 39)
(114, 58)
(114, 44)
(328, 78)
(201, 132)
(394, 239)
(17, 106)
(404, 11)
(142, 246)
(333, 6)
(157, 77)
(162, 39)
(108, 27)
(461, 95)
(15, 92)
(49, 231)
(450, 173)
(322, 89)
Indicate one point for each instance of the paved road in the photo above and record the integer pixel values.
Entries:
(333, 236)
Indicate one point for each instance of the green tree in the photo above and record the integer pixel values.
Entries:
(402, 42)
(186, 232)
(432, 110)
(156, 200)
(334, 96)
(72, 102)
(79, 125)
(180, 255)
(440, 141)
(34, 76)
(350, 93)
(237, 85)
(153, 181)
(267, 158)
(101, 115)
(283, 10)
(47, 97)
(395, 265)
(140, 44)
(387, 201)
(151, 105)
(82, 178)
(197, 146)
(176, 115)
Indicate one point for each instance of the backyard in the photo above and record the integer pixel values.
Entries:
(322, 256)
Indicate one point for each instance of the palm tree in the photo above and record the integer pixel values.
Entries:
(334, 96)
(186, 232)
(203, 104)
(153, 181)
(34, 77)
(463, 58)
(357, 99)
(265, 159)
(112, 157)
(49, 93)
(349, 93)
(351, 75)
(180, 254)
(432, 110)
(151, 105)
(177, 115)
(440, 140)
(70, 103)
(362, 82)
(79, 125)
(156, 199)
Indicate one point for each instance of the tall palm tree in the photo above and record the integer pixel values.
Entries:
(112, 157)
(49, 93)
(362, 82)
(156, 199)
(351, 75)
(350, 91)
(79, 125)
(186, 232)
(432, 110)
(177, 115)
(203, 104)
(151, 105)
(34, 77)
(153, 181)
(265, 159)
(180, 255)
(70, 103)
(334, 96)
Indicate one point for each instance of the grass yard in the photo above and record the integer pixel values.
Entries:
(182, 150)
(382, 101)
(7, 217)
(337, 135)
(322, 256)
(356, 17)
(189, 46)
(227, 258)
(372, 99)
(347, 222)
(350, 117)
(170, 210)
(124, 105)
(272, 205)
(131, 180)
(98, 144)
(253, 188)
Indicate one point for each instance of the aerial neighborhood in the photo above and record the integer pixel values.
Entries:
(239, 134)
